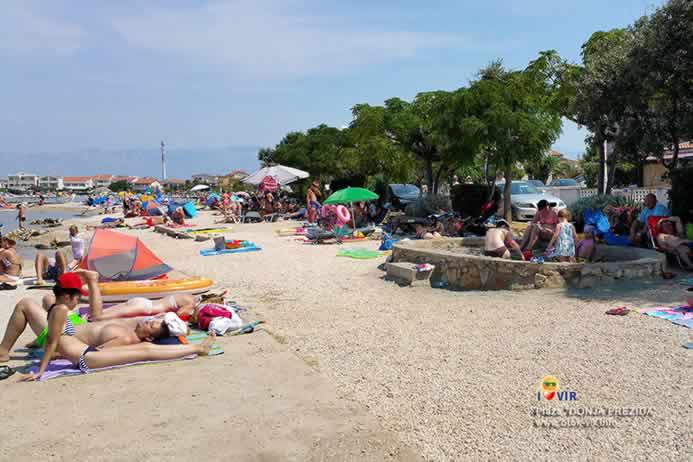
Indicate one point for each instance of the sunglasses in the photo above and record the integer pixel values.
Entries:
(549, 384)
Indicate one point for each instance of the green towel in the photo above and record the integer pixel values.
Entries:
(198, 336)
(359, 253)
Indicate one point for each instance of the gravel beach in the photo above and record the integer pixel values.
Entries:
(430, 372)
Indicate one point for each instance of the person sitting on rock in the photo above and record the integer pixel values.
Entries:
(542, 226)
(499, 241)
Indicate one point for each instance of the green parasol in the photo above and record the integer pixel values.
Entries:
(349, 196)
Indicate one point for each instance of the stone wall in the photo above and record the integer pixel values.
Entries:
(470, 272)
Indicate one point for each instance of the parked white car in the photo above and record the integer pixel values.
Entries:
(525, 197)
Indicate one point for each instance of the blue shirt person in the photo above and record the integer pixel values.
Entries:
(638, 230)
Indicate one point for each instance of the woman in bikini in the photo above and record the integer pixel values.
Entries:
(10, 262)
(62, 337)
(181, 304)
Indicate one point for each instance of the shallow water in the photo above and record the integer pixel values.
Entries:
(9, 221)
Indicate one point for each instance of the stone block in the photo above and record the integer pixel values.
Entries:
(406, 274)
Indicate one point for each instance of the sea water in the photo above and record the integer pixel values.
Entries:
(8, 220)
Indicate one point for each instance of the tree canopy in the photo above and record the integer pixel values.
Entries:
(632, 90)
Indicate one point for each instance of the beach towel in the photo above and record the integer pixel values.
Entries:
(680, 315)
(686, 282)
(210, 252)
(62, 367)
(359, 253)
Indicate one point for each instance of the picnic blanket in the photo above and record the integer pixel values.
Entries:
(63, 367)
(681, 315)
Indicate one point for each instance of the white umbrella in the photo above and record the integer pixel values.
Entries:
(281, 173)
(199, 187)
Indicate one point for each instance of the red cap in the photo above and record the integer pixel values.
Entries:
(71, 281)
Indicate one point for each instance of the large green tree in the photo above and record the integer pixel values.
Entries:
(518, 120)
(662, 64)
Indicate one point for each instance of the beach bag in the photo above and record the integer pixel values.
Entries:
(208, 312)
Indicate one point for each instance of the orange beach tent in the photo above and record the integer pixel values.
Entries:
(119, 257)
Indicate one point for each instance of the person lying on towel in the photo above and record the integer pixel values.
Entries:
(89, 345)
(101, 334)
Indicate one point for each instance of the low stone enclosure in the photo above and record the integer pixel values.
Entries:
(461, 270)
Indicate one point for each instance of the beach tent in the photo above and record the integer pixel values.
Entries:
(199, 187)
(119, 257)
(282, 174)
(153, 208)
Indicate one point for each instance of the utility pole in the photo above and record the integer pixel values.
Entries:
(163, 161)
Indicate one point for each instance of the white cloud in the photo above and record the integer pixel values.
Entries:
(263, 38)
(26, 30)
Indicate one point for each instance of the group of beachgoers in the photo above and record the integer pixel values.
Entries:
(557, 233)
(266, 203)
(46, 267)
(122, 334)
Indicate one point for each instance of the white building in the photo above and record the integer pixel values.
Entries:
(78, 183)
(22, 180)
(140, 185)
(206, 178)
(102, 181)
(53, 183)
(3, 183)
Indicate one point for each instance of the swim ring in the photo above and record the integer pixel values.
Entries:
(343, 214)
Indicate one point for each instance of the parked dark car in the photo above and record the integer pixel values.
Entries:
(401, 195)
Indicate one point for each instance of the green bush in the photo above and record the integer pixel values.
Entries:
(680, 193)
(599, 202)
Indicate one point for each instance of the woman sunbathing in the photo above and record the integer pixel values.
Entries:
(181, 304)
(62, 335)
(99, 334)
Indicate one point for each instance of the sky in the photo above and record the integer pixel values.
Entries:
(107, 81)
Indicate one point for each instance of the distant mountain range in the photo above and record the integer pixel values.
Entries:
(180, 162)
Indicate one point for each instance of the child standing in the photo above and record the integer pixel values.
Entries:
(562, 243)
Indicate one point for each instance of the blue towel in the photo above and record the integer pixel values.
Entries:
(208, 252)
(613, 239)
(597, 219)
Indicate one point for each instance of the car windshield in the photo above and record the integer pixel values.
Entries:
(520, 188)
(404, 189)
(565, 182)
